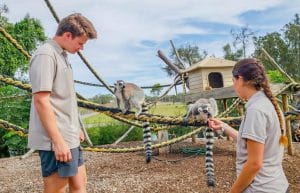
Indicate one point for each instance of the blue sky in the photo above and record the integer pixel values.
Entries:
(132, 31)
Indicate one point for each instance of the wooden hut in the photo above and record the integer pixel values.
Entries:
(209, 73)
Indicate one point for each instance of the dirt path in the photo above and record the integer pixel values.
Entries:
(127, 172)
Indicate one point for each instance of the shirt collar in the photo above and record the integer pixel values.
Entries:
(57, 47)
(254, 97)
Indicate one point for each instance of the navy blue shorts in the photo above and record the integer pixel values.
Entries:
(65, 169)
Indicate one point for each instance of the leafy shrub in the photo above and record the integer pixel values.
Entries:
(15, 111)
(276, 77)
(110, 133)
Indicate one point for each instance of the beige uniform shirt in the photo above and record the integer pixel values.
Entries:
(50, 71)
(261, 125)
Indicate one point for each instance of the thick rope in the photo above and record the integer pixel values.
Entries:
(277, 66)
(15, 43)
(11, 127)
(229, 109)
(100, 85)
(15, 96)
(117, 112)
(79, 53)
(140, 148)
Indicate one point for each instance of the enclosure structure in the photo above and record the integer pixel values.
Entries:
(209, 73)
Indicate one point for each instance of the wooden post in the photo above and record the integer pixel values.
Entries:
(225, 108)
(240, 109)
(163, 135)
(285, 106)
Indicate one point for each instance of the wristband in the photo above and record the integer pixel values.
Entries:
(224, 125)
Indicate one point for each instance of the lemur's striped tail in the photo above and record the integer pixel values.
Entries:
(209, 162)
(145, 108)
(147, 141)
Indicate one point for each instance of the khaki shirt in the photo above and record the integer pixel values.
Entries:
(51, 71)
(262, 125)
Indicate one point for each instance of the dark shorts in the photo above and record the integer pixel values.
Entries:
(65, 169)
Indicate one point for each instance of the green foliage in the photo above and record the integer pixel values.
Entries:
(101, 119)
(15, 111)
(231, 55)
(156, 89)
(16, 144)
(189, 54)
(29, 33)
(276, 77)
(110, 133)
(177, 131)
(178, 98)
(242, 37)
(103, 99)
(229, 102)
(283, 47)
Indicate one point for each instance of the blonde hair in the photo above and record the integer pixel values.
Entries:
(77, 25)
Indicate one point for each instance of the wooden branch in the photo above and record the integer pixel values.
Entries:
(176, 53)
(124, 135)
(169, 63)
(277, 66)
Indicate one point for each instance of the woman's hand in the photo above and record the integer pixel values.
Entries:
(215, 124)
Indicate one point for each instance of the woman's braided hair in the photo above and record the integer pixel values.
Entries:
(253, 71)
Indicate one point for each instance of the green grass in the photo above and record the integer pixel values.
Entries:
(169, 109)
(101, 118)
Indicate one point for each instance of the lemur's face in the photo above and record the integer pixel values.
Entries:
(295, 125)
(120, 85)
(202, 112)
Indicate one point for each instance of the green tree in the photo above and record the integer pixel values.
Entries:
(29, 33)
(283, 47)
(189, 55)
(102, 99)
(242, 37)
(3, 10)
(156, 89)
(231, 55)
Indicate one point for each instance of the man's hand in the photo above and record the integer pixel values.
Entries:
(62, 151)
(81, 136)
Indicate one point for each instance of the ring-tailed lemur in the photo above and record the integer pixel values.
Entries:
(130, 95)
(202, 110)
(295, 124)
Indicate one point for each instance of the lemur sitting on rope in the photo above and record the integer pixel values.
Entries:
(130, 95)
(202, 110)
(295, 124)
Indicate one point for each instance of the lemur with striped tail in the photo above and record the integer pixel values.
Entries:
(130, 95)
(202, 110)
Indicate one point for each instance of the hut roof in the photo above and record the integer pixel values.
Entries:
(211, 62)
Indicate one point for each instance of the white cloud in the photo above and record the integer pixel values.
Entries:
(125, 25)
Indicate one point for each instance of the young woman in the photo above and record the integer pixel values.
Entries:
(260, 139)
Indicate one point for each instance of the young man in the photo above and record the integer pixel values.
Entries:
(54, 122)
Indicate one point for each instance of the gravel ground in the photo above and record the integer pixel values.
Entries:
(128, 173)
